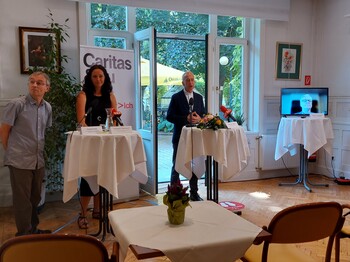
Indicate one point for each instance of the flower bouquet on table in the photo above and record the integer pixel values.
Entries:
(177, 199)
(210, 121)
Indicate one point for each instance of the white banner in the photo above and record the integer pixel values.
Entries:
(120, 67)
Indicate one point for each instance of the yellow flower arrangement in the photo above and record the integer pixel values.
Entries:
(210, 121)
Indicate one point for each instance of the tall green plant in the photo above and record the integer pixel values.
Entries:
(61, 96)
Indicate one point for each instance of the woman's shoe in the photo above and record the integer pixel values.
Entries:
(96, 214)
(83, 222)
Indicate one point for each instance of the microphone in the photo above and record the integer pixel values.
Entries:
(190, 103)
(116, 116)
(88, 111)
(94, 103)
(227, 113)
(119, 121)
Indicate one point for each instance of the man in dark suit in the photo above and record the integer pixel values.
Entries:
(179, 114)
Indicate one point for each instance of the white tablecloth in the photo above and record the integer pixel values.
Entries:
(209, 233)
(313, 133)
(229, 147)
(103, 159)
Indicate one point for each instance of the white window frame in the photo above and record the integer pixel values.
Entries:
(250, 87)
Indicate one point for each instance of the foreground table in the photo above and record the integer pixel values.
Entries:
(227, 149)
(144, 253)
(104, 160)
(209, 233)
(310, 134)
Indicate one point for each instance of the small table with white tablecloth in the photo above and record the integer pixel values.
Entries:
(227, 151)
(311, 134)
(104, 160)
(209, 233)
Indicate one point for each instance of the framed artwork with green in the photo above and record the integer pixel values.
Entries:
(288, 61)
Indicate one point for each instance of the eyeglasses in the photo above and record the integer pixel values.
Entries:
(38, 83)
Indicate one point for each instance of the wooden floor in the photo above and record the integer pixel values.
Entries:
(262, 200)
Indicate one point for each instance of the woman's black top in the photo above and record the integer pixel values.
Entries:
(98, 113)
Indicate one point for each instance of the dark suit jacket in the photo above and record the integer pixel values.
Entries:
(179, 109)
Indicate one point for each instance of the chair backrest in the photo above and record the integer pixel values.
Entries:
(53, 248)
(305, 223)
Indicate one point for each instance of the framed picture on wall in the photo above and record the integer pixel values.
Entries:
(36, 46)
(288, 61)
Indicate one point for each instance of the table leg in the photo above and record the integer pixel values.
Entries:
(303, 172)
(212, 179)
(216, 181)
(208, 177)
(302, 168)
(307, 175)
(106, 205)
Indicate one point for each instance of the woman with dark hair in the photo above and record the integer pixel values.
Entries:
(96, 96)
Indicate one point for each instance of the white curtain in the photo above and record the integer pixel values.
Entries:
(264, 9)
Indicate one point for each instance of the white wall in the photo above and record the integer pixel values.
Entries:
(332, 69)
(332, 46)
(299, 29)
(323, 30)
(32, 13)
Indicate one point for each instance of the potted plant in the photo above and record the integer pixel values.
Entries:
(240, 119)
(61, 96)
(177, 199)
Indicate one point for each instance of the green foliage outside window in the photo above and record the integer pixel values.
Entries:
(112, 42)
(108, 17)
(233, 77)
(230, 26)
(172, 22)
(183, 55)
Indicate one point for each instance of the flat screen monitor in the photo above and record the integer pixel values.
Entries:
(302, 101)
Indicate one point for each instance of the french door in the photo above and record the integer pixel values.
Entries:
(146, 116)
(149, 110)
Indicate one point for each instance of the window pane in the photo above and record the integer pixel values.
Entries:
(183, 55)
(174, 57)
(108, 17)
(230, 26)
(231, 58)
(172, 22)
(113, 42)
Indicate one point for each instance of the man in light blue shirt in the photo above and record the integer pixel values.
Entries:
(24, 122)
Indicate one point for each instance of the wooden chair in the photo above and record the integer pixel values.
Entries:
(55, 248)
(344, 233)
(298, 224)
